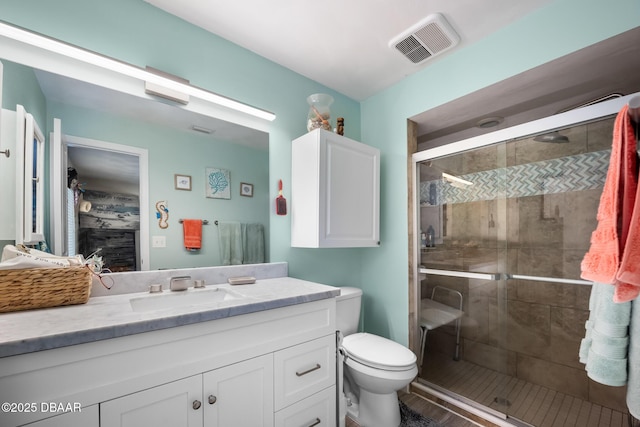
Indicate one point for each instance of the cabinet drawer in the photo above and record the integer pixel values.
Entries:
(318, 410)
(303, 370)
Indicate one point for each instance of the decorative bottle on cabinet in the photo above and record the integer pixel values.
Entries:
(335, 192)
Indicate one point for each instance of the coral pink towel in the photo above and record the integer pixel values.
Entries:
(615, 233)
(192, 229)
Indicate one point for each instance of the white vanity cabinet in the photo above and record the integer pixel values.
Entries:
(335, 192)
(305, 377)
(87, 417)
(239, 395)
(176, 404)
(250, 370)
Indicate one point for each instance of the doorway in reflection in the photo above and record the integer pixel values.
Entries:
(104, 204)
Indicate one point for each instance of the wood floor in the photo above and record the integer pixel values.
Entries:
(428, 409)
(533, 404)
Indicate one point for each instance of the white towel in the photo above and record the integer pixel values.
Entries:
(21, 257)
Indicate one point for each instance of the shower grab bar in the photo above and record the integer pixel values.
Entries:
(464, 274)
(549, 279)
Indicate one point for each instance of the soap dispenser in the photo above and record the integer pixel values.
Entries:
(431, 236)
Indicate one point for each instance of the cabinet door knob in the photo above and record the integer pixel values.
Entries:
(315, 368)
(212, 399)
(196, 404)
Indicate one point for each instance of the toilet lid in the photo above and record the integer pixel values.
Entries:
(378, 352)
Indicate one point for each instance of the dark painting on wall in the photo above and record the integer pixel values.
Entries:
(111, 211)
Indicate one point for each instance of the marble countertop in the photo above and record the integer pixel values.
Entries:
(113, 316)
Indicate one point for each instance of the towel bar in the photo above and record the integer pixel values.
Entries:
(204, 221)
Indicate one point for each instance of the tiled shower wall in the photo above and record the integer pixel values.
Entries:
(537, 222)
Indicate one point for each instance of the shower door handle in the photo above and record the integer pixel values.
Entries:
(464, 274)
(549, 279)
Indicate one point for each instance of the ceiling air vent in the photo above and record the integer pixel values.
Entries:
(429, 37)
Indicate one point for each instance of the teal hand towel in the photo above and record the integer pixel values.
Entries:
(604, 348)
(633, 386)
(253, 243)
(230, 242)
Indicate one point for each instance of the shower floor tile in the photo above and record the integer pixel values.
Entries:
(533, 404)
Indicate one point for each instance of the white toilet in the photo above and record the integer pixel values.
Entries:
(375, 368)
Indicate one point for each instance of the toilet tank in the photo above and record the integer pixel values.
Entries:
(348, 310)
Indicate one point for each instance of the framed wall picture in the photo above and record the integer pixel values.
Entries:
(218, 183)
(246, 189)
(182, 182)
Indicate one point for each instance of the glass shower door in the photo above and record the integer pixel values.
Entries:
(463, 223)
(506, 226)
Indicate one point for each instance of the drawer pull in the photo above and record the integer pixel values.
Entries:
(317, 421)
(308, 371)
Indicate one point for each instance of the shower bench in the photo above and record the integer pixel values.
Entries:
(434, 314)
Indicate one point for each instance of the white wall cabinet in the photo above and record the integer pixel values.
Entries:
(8, 173)
(335, 192)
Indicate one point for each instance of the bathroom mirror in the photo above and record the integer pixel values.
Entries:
(178, 141)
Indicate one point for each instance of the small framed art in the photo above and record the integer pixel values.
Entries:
(246, 189)
(182, 182)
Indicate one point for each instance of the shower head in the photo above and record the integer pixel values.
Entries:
(554, 137)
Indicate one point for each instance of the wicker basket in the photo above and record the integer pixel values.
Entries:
(26, 289)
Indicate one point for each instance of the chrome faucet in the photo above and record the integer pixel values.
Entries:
(180, 283)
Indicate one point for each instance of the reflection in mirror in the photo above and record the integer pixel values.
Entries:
(34, 182)
(178, 141)
(29, 178)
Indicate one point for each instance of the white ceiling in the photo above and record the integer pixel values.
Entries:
(343, 45)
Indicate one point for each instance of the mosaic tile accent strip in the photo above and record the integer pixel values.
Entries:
(573, 173)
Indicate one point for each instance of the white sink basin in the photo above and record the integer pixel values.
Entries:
(190, 297)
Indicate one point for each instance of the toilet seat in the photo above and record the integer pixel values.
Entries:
(378, 352)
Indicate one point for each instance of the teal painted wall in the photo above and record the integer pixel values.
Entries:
(22, 88)
(135, 32)
(560, 28)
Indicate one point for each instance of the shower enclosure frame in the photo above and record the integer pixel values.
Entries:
(536, 127)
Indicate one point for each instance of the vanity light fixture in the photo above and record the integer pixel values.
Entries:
(163, 92)
(133, 71)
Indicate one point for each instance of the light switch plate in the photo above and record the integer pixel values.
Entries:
(159, 241)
